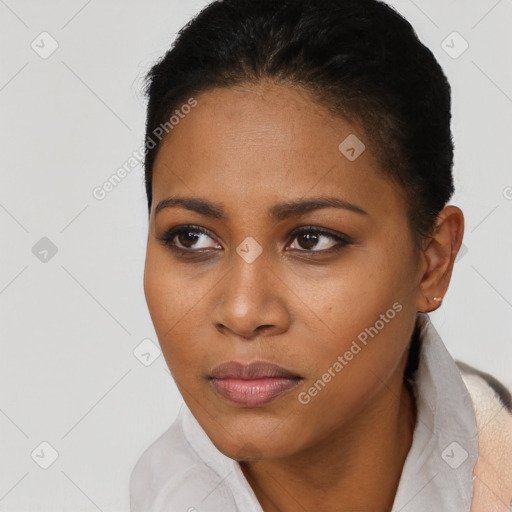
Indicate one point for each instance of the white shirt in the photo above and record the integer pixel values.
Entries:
(182, 471)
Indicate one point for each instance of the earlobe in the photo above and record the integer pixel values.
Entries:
(434, 301)
(439, 257)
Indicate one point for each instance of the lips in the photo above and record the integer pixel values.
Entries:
(254, 384)
(255, 370)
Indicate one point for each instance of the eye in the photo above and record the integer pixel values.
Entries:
(187, 239)
(318, 240)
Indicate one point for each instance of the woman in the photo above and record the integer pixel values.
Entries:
(298, 171)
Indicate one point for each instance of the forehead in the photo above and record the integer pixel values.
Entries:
(254, 145)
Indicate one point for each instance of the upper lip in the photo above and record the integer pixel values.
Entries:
(254, 370)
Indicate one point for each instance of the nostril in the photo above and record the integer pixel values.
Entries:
(263, 327)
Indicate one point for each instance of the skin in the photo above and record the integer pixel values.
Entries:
(247, 149)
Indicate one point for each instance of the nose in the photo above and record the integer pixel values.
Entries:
(252, 300)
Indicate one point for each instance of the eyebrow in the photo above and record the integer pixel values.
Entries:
(278, 212)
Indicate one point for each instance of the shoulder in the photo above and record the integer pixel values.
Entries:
(477, 378)
(169, 475)
(492, 402)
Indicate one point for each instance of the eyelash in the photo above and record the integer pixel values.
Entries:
(168, 237)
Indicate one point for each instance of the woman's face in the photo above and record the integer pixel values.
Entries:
(262, 277)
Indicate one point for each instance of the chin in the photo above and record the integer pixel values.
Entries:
(249, 445)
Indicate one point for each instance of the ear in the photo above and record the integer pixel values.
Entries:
(438, 257)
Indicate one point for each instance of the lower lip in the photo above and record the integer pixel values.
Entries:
(254, 392)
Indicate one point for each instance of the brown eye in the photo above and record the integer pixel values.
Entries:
(317, 240)
(308, 240)
(188, 239)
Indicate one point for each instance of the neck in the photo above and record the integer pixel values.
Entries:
(359, 465)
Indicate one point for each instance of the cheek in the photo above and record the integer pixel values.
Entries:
(355, 293)
(345, 376)
(157, 283)
(175, 306)
(162, 289)
(366, 317)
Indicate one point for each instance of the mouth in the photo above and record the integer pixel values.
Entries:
(252, 385)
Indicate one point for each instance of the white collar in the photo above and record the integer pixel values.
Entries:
(438, 470)
(437, 474)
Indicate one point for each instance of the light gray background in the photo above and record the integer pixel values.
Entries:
(70, 325)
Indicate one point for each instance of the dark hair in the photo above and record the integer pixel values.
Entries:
(358, 58)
